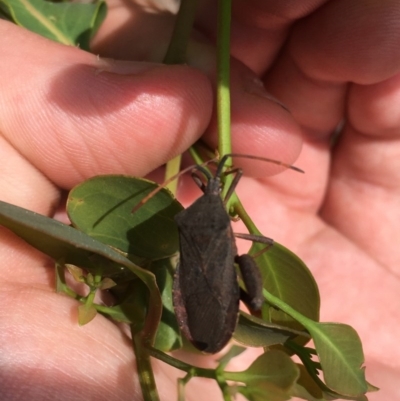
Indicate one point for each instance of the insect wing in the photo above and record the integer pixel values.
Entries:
(206, 291)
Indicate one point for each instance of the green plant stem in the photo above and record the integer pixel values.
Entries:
(176, 53)
(221, 380)
(240, 211)
(223, 77)
(172, 169)
(310, 325)
(143, 363)
(195, 155)
(193, 371)
(90, 297)
(223, 87)
(181, 385)
(197, 158)
(176, 363)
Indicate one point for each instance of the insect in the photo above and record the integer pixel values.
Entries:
(206, 291)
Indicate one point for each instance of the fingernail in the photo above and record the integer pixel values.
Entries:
(123, 67)
(256, 87)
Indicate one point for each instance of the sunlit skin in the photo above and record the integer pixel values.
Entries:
(66, 115)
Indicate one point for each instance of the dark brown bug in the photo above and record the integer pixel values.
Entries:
(206, 292)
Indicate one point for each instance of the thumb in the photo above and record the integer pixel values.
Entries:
(73, 115)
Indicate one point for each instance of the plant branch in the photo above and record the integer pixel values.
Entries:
(176, 53)
(177, 364)
(145, 371)
(223, 76)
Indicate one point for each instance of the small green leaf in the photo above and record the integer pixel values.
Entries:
(69, 23)
(102, 208)
(254, 332)
(76, 272)
(62, 242)
(272, 366)
(341, 356)
(372, 388)
(269, 378)
(66, 244)
(307, 388)
(288, 278)
(264, 391)
(118, 313)
(107, 283)
(168, 336)
(339, 349)
(233, 352)
(132, 299)
(86, 313)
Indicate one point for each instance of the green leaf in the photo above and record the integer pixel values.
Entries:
(102, 208)
(168, 336)
(254, 332)
(308, 388)
(264, 391)
(107, 283)
(76, 272)
(131, 303)
(269, 378)
(86, 313)
(132, 299)
(288, 278)
(233, 352)
(341, 356)
(272, 366)
(339, 349)
(65, 243)
(69, 23)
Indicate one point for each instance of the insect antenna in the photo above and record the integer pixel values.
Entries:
(224, 158)
(218, 172)
(174, 177)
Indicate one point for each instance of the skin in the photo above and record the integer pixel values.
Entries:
(66, 116)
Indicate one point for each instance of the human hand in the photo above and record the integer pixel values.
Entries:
(331, 62)
(108, 117)
(66, 116)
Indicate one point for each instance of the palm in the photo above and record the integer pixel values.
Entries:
(340, 217)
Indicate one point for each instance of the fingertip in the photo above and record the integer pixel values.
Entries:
(361, 48)
(261, 126)
(76, 115)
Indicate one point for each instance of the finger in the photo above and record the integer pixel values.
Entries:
(325, 51)
(363, 197)
(259, 122)
(22, 184)
(361, 48)
(259, 27)
(45, 352)
(260, 125)
(135, 30)
(74, 115)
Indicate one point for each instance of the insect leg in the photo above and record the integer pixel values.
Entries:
(252, 279)
(257, 238)
(238, 175)
(251, 273)
(198, 181)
